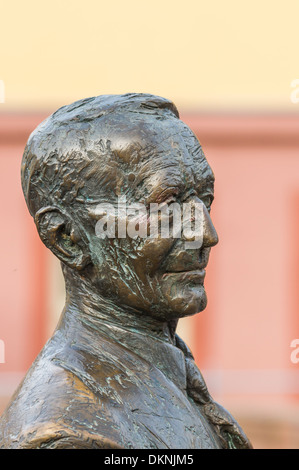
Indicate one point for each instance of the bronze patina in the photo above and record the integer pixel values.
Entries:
(115, 374)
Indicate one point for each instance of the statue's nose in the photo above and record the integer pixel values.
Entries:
(206, 229)
(210, 237)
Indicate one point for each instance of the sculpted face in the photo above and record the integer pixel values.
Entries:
(152, 162)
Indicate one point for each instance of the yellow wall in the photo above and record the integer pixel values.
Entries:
(213, 54)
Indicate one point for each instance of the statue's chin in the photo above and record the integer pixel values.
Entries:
(183, 300)
(193, 301)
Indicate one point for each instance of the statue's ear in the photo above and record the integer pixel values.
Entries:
(59, 234)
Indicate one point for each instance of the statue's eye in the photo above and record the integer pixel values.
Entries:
(207, 200)
(170, 199)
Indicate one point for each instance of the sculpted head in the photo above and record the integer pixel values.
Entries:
(132, 148)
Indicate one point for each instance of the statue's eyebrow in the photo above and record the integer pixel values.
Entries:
(206, 190)
(168, 192)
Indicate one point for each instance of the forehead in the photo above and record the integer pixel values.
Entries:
(163, 154)
(142, 158)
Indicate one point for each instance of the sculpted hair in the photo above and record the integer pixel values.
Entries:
(59, 155)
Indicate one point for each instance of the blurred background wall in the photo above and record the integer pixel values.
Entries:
(229, 67)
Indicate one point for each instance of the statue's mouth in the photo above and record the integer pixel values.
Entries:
(194, 275)
(183, 261)
(187, 267)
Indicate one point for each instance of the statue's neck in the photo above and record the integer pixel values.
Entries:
(99, 313)
(91, 322)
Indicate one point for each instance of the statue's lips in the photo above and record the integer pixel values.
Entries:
(196, 275)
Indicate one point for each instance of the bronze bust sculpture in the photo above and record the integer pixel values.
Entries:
(114, 374)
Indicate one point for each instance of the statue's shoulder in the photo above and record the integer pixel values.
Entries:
(50, 435)
(41, 412)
